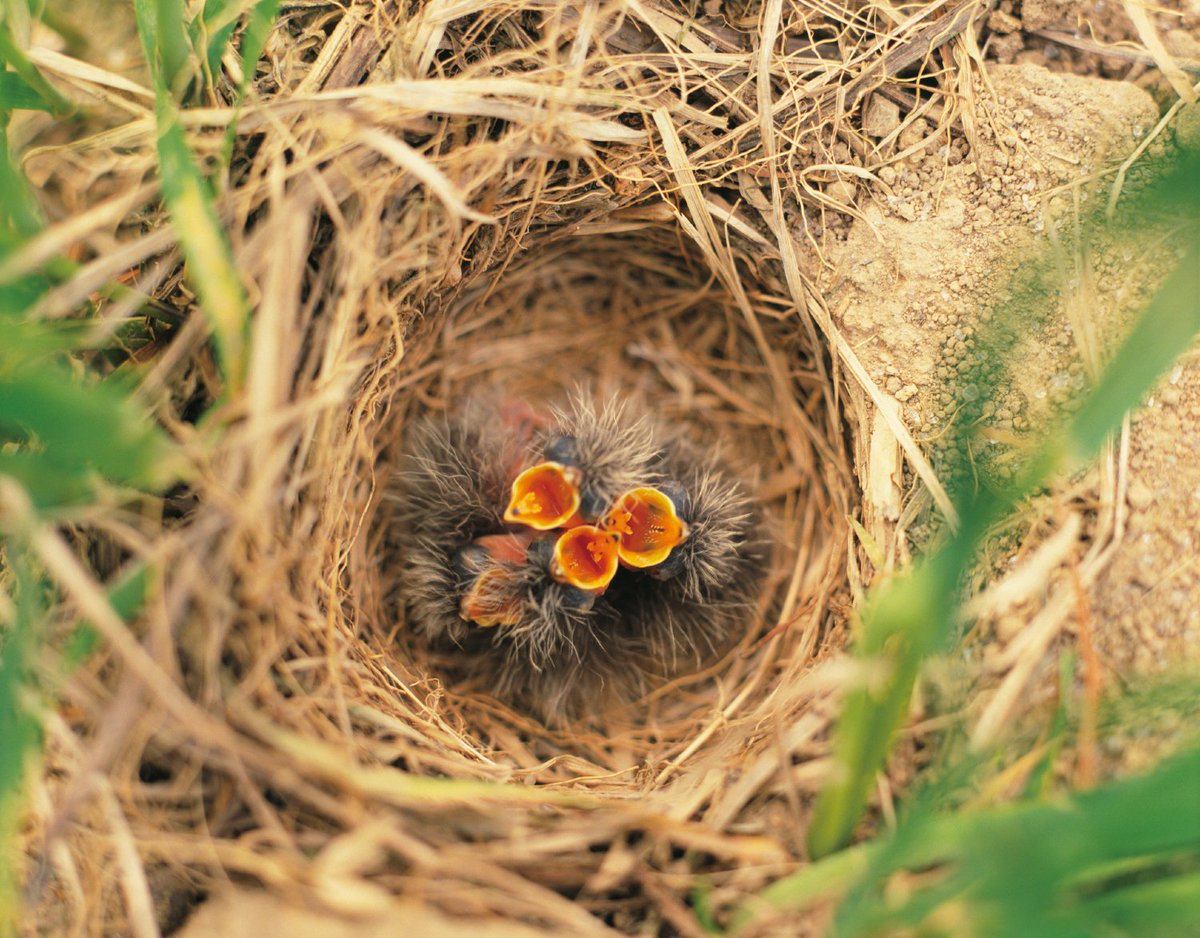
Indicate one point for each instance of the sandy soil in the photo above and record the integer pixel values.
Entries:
(943, 247)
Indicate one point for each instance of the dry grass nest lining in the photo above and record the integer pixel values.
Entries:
(275, 684)
(634, 317)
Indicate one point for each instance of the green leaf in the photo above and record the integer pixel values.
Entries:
(82, 426)
(17, 94)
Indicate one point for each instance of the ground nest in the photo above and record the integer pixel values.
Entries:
(429, 206)
(632, 318)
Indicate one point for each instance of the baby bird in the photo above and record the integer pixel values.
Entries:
(451, 490)
(648, 527)
(609, 450)
(575, 558)
(687, 604)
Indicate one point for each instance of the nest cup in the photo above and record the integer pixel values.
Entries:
(636, 317)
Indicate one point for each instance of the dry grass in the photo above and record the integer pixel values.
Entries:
(420, 204)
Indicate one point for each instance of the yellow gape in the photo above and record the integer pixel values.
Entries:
(586, 557)
(545, 496)
(647, 524)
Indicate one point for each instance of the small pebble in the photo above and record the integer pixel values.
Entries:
(1139, 495)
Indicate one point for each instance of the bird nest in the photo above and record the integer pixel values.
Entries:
(427, 206)
(630, 322)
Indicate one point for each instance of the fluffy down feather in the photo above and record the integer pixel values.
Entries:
(570, 654)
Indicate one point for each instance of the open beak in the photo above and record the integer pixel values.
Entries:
(647, 524)
(488, 568)
(585, 557)
(545, 496)
(493, 599)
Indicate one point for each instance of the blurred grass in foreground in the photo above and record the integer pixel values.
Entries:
(71, 437)
(1123, 859)
(916, 614)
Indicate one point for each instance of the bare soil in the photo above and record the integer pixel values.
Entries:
(941, 248)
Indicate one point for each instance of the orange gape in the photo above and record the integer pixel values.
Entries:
(545, 496)
(586, 557)
(495, 595)
(493, 599)
(647, 524)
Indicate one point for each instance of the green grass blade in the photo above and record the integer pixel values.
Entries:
(186, 192)
(19, 731)
(1120, 859)
(1163, 908)
(19, 214)
(85, 427)
(1038, 783)
(211, 31)
(174, 46)
(901, 622)
(17, 94)
(254, 39)
(145, 13)
(1166, 328)
(166, 43)
(127, 593)
(60, 431)
(817, 882)
(211, 267)
(14, 56)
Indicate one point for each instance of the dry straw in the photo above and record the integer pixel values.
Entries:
(423, 202)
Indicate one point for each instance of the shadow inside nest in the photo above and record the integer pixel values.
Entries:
(628, 344)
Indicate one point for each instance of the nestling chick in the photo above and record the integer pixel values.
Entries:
(689, 603)
(576, 561)
(611, 450)
(451, 490)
